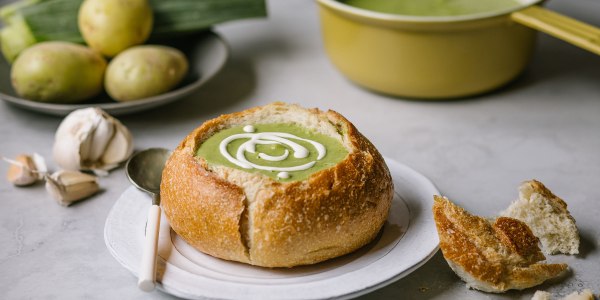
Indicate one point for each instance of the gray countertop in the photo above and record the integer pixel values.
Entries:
(544, 125)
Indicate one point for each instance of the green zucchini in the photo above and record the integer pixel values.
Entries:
(31, 21)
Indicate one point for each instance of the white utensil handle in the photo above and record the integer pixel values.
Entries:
(147, 273)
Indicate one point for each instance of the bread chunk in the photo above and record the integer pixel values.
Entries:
(490, 256)
(547, 216)
(249, 217)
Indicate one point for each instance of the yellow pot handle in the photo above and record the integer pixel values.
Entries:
(568, 29)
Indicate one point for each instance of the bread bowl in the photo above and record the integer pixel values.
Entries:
(262, 218)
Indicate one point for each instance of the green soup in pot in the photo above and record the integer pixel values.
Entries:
(433, 7)
(284, 152)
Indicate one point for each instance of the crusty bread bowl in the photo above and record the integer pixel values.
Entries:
(251, 218)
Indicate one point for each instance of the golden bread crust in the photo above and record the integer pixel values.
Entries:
(490, 257)
(251, 218)
(517, 236)
(214, 223)
(557, 203)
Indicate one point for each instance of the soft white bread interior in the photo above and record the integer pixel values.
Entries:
(547, 216)
(251, 218)
(491, 257)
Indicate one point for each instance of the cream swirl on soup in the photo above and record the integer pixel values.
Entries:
(284, 152)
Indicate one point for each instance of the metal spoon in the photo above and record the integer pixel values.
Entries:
(144, 170)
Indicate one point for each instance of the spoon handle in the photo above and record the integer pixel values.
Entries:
(147, 273)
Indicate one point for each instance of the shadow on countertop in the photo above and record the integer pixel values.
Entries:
(555, 61)
(427, 282)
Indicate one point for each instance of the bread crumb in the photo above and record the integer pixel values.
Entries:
(541, 295)
(423, 289)
(583, 295)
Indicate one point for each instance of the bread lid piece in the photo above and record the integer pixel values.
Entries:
(547, 216)
(491, 257)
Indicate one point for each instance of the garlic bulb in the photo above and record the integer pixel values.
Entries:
(90, 139)
(26, 169)
(71, 186)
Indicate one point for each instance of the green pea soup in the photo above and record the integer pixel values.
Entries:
(335, 151)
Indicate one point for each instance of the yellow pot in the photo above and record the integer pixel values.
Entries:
(440, 57)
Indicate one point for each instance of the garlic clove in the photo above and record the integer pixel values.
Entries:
(72, 136)
(90, 139)
(120, 147)
(40, 165)
(22, 171)
(70, 186)
(101, 135)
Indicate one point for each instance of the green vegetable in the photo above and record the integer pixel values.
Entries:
(54, 20)
(48, 20)
(9, 10)
(185, 16)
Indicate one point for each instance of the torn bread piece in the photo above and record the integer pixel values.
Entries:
(547, 216)
(583, 295)
(491, 257)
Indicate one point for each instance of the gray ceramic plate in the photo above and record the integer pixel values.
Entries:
(207, 53)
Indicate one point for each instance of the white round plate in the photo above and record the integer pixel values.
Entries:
(206, 53)
(407, 240)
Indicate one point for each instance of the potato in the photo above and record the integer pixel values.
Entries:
(58, 72)
(144, 71)
(111, 26)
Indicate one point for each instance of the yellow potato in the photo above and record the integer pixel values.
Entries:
(58, 72)
(144, 71)
(111, 26)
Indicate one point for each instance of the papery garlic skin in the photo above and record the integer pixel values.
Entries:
(26, 169)
(91, 139)
(67, 187)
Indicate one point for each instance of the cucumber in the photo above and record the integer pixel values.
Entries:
(31, 21)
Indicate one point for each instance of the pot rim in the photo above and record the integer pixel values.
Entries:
(380, 16)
